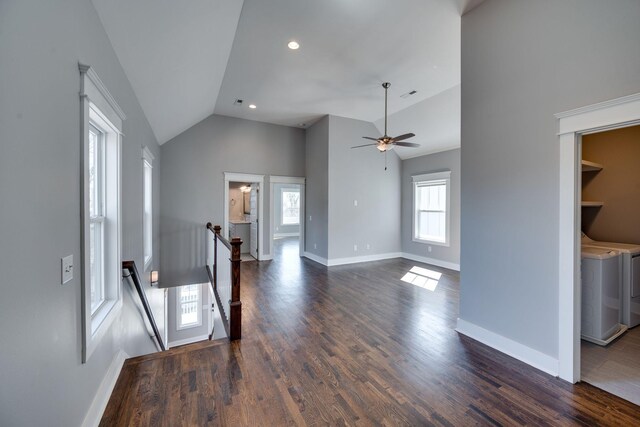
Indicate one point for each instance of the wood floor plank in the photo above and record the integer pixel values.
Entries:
(350, 345)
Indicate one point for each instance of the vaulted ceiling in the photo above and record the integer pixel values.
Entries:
(187, 60)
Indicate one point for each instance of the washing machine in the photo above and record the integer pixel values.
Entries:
(630, 297)
(601, 270)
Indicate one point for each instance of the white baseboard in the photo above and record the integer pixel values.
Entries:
(432, 261)
(100, 400)
(316, 258)
(187, 341)
(528, 355)
(363, 258)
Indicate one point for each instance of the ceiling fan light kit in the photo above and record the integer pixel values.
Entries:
(386, 142)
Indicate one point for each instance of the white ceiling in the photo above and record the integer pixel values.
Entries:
(187, 60)
(174, 53)
(435, 121)
(348, 48)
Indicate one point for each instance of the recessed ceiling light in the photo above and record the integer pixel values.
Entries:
(293, 45)
(252, 106)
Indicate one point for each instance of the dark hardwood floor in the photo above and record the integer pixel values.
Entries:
(349, 345)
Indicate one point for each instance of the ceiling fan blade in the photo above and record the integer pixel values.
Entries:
(365, 145)
(402, 137)
(368, 137)
(406, 144)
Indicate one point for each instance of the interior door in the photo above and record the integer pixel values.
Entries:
(253, 248)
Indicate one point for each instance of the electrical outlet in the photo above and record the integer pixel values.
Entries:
(315, 246)
(368, 246)
(355, 203)
(67, 269)
(355, 248)
(309, 218)
(429, 248)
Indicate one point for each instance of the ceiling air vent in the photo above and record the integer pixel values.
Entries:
(408, 94)
(237, 102)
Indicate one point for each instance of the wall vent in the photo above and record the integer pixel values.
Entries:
(237, 102)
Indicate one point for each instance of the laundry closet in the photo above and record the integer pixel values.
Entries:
(610, 261)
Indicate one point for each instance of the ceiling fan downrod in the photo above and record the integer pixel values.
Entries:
(385, 85)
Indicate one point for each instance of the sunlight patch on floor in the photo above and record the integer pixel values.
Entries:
(422, 277)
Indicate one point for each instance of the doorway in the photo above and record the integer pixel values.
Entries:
(286, 209)
(247, 208)
(614, 114)
(610, 258)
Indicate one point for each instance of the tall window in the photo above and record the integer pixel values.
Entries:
(431, 208)
(101, 130)
(147, 215)
(189, 306)
(290, 206)
(96, 215)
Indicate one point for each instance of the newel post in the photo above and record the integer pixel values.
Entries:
(216, 231)
(235, 318)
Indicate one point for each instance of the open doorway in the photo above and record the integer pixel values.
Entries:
(243, 208)
(287, 217)
(573, 126)
(610, 261)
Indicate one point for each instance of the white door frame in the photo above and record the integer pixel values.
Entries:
(244, 177)
(617, 113)
(301, 181)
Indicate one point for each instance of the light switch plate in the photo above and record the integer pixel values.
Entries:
(67, 269)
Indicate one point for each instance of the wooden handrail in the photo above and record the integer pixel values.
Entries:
(216, 230)
(233, 325)
(135, 276)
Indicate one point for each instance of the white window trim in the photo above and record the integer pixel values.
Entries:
(99, 106)
(199, 304)
(289, 190)
(434, 176)
(147, 160)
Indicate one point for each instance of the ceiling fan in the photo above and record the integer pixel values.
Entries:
(386, 142)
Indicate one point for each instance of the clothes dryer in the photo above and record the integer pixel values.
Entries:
(630, 296)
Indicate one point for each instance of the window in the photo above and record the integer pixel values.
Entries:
(189, 311)
(290, 206)
(431, 208)
(96, 215)
(147, 209)
(101, 130)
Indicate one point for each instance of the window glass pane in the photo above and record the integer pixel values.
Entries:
(93, 171)
(290, 207)
(431, 226)
(95, 265)
(148, 212)
(189, 298)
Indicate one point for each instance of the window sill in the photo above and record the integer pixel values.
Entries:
(431, 242)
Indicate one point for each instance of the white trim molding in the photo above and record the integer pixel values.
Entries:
(100, 400)
(364, 258)
(432, 261)
(528, 355)
(612, 114)
(316, 258)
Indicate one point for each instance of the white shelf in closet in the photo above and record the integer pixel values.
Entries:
(586, 204)
(588, 166)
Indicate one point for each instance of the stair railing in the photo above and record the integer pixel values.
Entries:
(225, 280)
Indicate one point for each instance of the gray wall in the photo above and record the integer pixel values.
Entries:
(317, 189)
(43, 379)
(358, 174)
(192, 184)
(523, 61)
(445, 160)
(280, 228)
